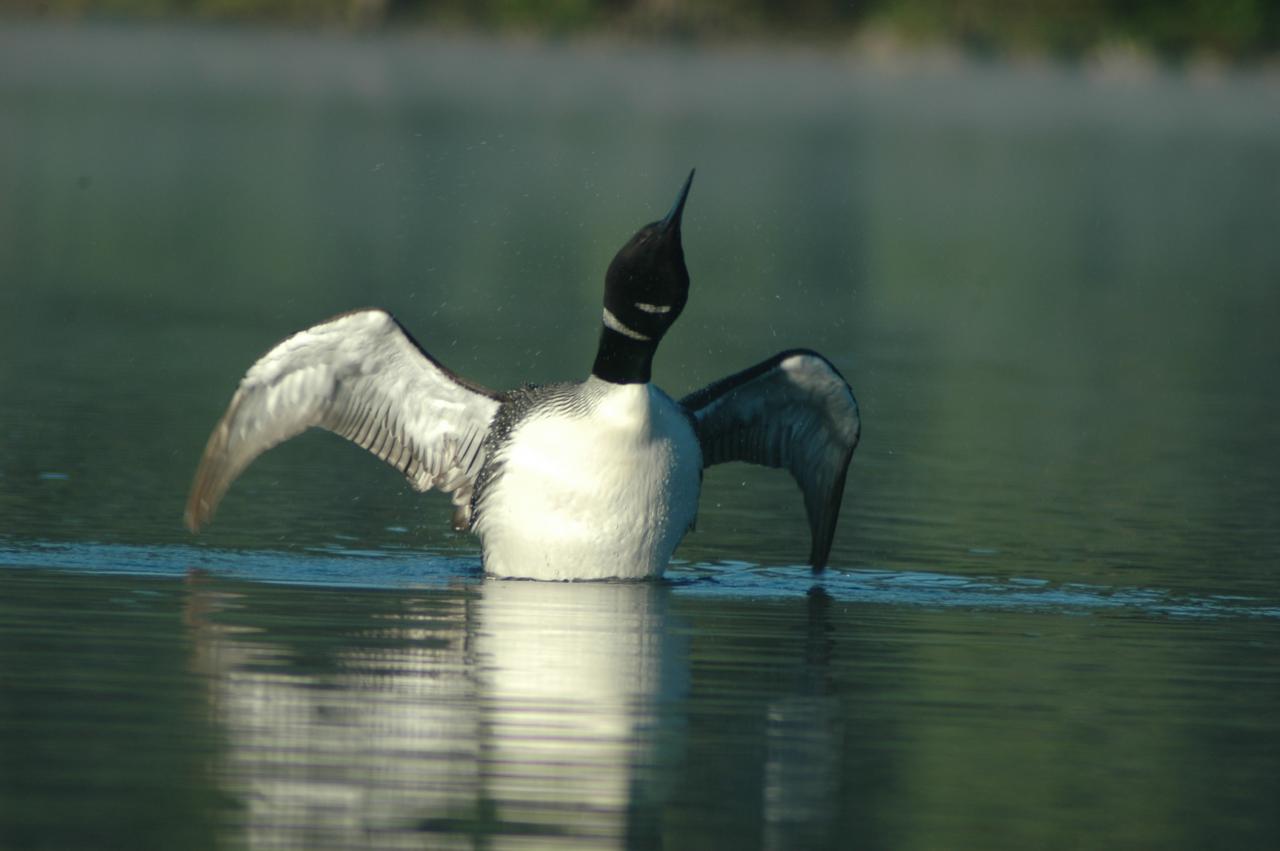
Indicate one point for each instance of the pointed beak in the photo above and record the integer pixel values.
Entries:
(671, 223)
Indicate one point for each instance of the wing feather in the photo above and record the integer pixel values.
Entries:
(359, 375)
(793, 411)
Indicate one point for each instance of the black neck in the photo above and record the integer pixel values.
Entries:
(622, 360)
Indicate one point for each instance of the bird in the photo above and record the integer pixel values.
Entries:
(586, 480)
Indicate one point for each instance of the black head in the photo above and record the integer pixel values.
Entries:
(645, 289)
(647, 284)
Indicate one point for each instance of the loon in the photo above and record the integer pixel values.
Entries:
(597, 479)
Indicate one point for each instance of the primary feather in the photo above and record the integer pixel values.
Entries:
(793, 411)
(359, 375)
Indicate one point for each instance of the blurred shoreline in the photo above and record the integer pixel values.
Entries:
(874, 51)
(894, 34)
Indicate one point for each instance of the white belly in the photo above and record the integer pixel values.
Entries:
(600, 495)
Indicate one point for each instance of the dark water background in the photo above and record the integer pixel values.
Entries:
(1053, 614)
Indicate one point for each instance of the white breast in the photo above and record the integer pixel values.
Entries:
(597, 494)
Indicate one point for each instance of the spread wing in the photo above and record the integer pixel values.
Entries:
(793, 410)
(362, 376)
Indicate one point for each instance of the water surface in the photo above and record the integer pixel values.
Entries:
(1052, 618)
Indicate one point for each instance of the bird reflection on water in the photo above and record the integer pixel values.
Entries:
(505, 712)
(524, 709)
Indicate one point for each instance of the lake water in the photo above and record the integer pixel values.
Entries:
(1052, 618)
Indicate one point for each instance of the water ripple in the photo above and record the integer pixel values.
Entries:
(374, 568)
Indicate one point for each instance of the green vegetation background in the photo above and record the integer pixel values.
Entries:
(1238, 30)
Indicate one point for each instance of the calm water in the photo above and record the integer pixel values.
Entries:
(1053, 614)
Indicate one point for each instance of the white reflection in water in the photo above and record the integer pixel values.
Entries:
(572, 673)
(803, 749)
(352, 755)
(518, 719)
